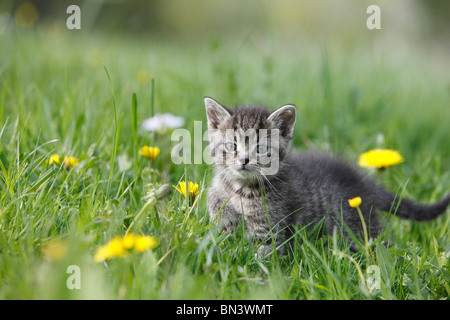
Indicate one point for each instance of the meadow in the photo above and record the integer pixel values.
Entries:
(73, 96)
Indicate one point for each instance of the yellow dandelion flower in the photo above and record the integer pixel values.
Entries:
(355, 202)
(70, 162)
(55, 250)
(113, 248)
(151, 153)
(144, 243)
(101, 254)
(116, 247)
(54, 159)
(121, 246)
(192, 189)
(128, 241)
(380, 158)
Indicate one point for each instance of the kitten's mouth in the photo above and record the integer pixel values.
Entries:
(244, 168)
(246, 171)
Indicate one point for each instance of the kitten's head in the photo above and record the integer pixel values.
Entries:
(249, 142)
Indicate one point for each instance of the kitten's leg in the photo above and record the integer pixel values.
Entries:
(227, 217)
(268, 239)
(265, 249)
(228, 220)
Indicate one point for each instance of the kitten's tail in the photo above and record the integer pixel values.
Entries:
(407, 209)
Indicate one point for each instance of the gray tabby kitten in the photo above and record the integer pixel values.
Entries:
(303, 189)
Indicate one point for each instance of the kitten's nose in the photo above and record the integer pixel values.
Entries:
(244, 161)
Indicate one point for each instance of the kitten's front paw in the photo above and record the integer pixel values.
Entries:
(266, 250)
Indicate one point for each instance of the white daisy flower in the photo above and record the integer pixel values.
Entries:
(162, 122)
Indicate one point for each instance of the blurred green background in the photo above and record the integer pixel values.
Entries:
(266, 52)
(196, 19)
(319, 55)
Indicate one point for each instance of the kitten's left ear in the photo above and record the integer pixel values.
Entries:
(284, 119)
(216, 113)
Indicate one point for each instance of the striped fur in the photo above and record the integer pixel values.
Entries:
(307, 189)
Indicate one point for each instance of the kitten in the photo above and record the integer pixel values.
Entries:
(259, 182)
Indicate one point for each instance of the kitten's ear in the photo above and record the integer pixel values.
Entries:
(215, 113)
(284, 119)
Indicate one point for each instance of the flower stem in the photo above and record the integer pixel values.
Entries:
(366, 237)
(147, 204)
(358, 268)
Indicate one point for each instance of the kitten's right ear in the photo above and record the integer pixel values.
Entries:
(284, 119)
(216, 113)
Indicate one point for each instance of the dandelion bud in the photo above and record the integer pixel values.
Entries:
(355, 202)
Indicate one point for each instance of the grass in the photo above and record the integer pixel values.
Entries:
(57, 98)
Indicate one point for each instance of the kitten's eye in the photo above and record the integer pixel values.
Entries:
(230, 146)
(261, 148)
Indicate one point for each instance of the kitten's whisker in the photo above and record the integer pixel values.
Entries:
(224, 174)
(269, 183)
(272, 187)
